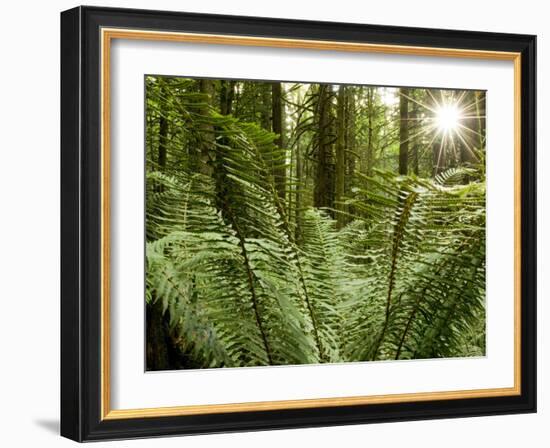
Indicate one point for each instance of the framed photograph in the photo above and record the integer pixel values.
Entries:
(273, 223)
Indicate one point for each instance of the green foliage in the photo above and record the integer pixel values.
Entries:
(229, 274)
(404, 278)
(424, 268)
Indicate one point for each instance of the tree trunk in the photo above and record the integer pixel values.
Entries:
(321, 191)
(470, 141)
(415, 141)
(206, 87)
(265, 106)
(340, 157)
(439, 159)
(370, 146)
(227, 93)
(157, 357)
(279, 171)
(350, 155)
(157, 338)
(480, 113)
(163, 134)
(300, 184)
(403, 131)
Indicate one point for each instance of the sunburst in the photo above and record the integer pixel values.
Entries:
(447, 118)
(451, 122)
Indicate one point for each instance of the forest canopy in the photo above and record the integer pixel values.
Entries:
(295, 223)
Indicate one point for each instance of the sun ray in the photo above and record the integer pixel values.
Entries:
(418, 102)
(466, 128)
(428, 146)
(469, 106)
(439, 154)
(437, 104)
(422, 131)
(446, 123)
(468, 147)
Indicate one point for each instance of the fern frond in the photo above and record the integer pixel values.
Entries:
(424, 265)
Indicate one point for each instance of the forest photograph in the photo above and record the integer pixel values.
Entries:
(294, 223)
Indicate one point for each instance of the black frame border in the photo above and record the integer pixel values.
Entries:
(81, 223)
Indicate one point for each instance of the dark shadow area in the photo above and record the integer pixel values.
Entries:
(49, 425)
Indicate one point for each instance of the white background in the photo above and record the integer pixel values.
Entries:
(29, 186)
(133, 388)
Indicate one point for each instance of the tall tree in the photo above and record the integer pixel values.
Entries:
(439, 156)
(414, 118)
(322, 187)
(370, 131)
(439, 153)
(277, 127)
(403, 131)
(472, 139)
(227, 93)
(159, 343)
(163, 132)
(340, 156)
(206, 87)
(479, 99)
(302, 116)
(349, 143)
(265, 106)
(300, 183)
